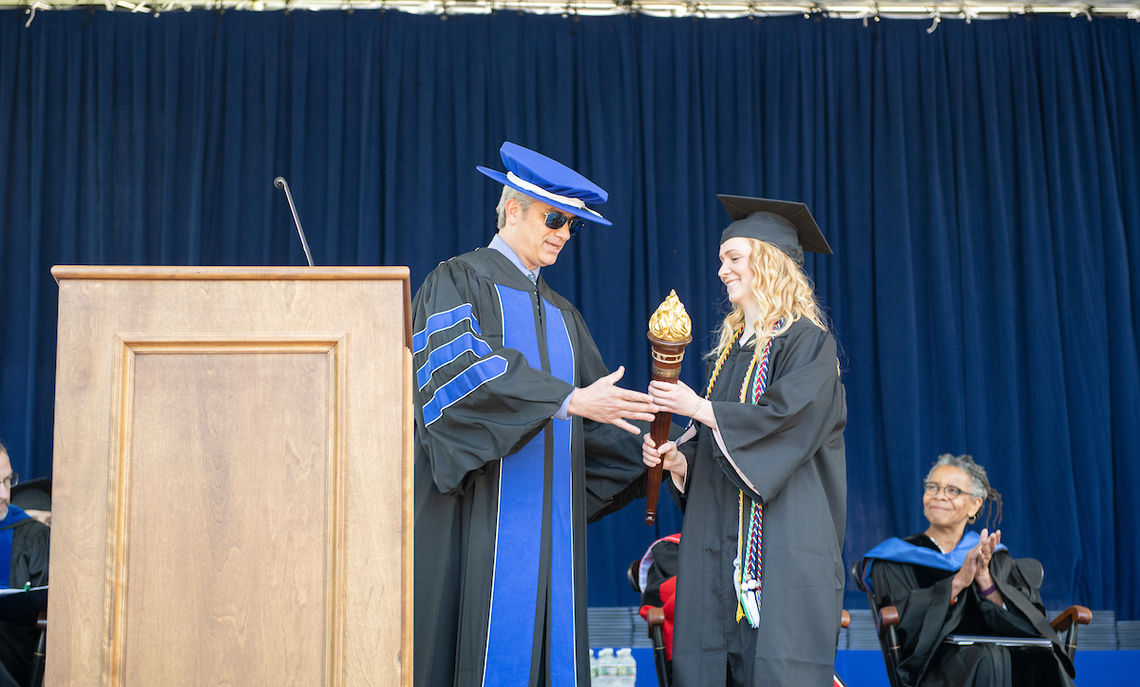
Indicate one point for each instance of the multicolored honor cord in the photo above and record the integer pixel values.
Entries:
(749, 564)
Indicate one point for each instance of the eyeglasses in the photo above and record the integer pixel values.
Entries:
(11, 480)
(556, 220)
(952, 492)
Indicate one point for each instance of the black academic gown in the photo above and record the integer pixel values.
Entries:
(922, 597)
(29, 564)
(503, 491)
(788, 452)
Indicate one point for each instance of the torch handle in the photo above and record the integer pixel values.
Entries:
(667, 356)
(659, 433)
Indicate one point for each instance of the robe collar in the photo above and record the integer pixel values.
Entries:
(15, 515)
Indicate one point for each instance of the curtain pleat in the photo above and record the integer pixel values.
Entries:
(979, 186)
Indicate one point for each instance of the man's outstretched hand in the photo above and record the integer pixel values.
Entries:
(605, 401)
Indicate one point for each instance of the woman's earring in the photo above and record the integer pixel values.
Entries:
(972, 519)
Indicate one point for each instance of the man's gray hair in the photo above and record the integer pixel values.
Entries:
(509, 193)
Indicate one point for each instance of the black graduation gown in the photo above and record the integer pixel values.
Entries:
(503, 491)
(29, 564)
(922, 596)
(788, 452)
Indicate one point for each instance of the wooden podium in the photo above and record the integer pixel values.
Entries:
(233, 478)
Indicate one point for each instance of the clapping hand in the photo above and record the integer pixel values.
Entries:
(976, 567)
(983, 553)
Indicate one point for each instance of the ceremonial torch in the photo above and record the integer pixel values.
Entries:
(669, 332)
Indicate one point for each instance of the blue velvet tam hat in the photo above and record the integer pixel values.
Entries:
(785, 224)
(549, 181)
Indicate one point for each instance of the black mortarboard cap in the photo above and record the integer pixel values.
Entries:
(785, 224)
(34, 494)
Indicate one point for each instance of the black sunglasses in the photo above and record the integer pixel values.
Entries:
(555, 220)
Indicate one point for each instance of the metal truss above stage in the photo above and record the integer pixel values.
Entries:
(867, 10)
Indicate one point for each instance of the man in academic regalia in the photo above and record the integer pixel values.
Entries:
(23, 560)
(521, 436)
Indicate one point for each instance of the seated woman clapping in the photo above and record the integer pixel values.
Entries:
(946, 581)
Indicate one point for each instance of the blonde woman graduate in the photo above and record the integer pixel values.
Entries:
(761, 473)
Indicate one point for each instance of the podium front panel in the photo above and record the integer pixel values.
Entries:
(232, 478)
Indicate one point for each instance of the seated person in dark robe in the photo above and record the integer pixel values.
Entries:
(657, 582)
(948, 581)
(33, 496)
(23, 561)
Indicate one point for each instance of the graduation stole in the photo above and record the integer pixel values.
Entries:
(749, 564)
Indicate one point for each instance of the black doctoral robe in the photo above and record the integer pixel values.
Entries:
(922, 596)
(503, 491)
(28, 565)
(788, 452)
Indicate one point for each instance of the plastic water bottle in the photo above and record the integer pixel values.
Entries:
(626, 668)
(607, 669)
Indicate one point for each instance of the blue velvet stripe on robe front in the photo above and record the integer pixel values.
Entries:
(521, 495)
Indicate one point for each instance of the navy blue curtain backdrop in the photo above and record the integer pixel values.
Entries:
(980, 186)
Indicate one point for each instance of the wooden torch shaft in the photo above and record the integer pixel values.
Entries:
(666, 367)
(659, 432)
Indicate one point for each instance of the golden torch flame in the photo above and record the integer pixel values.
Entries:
(670, 322)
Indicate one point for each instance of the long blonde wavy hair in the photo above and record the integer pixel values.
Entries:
(782, 291)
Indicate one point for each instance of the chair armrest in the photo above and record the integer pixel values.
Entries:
(1072, 614)
(888, 616)
(656, 621)
(889, 636)
(1067, 623)
(845, 619)
(656, 617)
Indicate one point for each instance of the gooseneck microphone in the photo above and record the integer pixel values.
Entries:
(280, 183)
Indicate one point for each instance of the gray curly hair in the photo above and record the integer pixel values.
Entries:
(980, 485)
